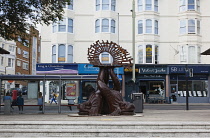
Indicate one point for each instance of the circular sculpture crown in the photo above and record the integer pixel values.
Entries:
(120, 56)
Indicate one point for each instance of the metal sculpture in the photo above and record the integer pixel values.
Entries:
(105, 100)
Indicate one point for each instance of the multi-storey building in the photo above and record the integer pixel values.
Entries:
(22, 58)
(166, 31)
(27, 55)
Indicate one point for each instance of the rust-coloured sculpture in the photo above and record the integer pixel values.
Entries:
(106, 100)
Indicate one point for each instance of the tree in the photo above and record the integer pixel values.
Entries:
(16, 16)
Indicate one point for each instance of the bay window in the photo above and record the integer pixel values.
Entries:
(148, 5)
(105, 5)
(189, 5)
(189, 26)
(62, 53)
(148, 54)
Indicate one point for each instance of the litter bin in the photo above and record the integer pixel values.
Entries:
(7, 107)
(138, 102)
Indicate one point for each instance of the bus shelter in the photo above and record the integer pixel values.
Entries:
(41, 81)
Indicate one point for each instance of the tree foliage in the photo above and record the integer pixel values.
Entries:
(16, 16)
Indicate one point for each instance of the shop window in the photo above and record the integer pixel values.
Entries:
(196, 88)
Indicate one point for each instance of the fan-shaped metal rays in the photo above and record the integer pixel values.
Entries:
(120, 56)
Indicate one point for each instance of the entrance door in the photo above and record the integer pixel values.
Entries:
(174, 92)
(143, 89)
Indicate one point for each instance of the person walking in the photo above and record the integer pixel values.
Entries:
(53, 98)
(20, 103)
(40, 101)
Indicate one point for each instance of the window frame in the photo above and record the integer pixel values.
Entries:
(61, 53)
(70, 54)
(54, 53)
(148, 26)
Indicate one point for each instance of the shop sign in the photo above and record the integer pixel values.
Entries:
(151, 76)
(56, 68)
(196, 69)
(154, 70)
(130, 70)
(90, 69)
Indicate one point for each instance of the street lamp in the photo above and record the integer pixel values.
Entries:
(133, 39)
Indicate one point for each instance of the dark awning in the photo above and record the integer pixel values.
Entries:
(3, 51)
(207, 52)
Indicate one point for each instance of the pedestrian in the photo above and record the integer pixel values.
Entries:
(70, 102)
(20, 103)
(53, 98)
(40, 101)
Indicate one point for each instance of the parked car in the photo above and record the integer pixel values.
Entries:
(24, 90)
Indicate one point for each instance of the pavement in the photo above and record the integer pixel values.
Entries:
(149, 114)
(175, 112)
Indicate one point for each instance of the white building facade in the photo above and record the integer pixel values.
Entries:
(167, 31)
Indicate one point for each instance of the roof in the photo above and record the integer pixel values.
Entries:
(3, 51)
(207, 52)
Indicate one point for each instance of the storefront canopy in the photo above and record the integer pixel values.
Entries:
(207, 52)
(3, 51)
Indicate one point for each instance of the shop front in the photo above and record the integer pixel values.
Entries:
(151, 81)
(193, 77)
(86, 86)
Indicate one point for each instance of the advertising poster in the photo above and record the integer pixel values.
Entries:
(70, 90)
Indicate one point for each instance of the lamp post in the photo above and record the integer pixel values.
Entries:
(133, 40)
